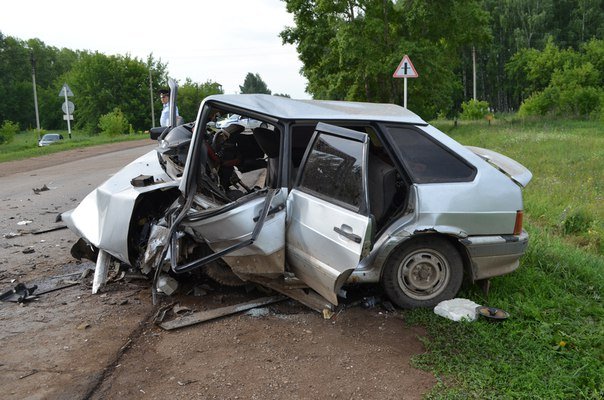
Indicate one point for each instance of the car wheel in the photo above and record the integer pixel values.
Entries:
(422, 273)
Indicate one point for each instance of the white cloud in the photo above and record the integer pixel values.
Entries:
(203, 40)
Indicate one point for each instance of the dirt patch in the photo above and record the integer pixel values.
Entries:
(280, 352)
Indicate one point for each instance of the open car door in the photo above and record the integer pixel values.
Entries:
(328, 221)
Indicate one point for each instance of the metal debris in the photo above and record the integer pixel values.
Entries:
(181, 310)
(202, 316)
(19, 294)
(55, 228)
(42, 189)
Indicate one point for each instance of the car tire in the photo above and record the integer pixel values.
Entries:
(423, 272)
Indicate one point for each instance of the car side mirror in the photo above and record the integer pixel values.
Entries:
(154, 133)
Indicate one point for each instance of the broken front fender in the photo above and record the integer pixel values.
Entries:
(103, 217)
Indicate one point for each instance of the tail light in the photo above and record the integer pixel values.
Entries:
(518, 224)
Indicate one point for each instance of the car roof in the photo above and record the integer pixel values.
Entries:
(295, 109)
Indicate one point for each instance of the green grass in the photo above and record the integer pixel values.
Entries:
(552, 346)
(25, 144)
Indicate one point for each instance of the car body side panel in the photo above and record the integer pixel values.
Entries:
(480, 214)
(103, 217)
(485, 206)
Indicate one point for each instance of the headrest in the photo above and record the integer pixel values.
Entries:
(268, 141)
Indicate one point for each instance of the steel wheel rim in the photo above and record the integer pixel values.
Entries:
(423, 274)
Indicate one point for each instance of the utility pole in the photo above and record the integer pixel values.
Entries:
(151, 96)
(474, 73)
(33, 78)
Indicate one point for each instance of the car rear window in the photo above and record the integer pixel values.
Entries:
(426, 160)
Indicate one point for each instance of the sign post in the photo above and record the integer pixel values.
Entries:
(67, 106)
(405, 70)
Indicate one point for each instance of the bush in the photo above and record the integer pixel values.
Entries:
(540, 103)
(8, 130)
(114, 123)
(576, 222)
(474, 109)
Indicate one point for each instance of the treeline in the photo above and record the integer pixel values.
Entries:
(546, 54)
(101, 85)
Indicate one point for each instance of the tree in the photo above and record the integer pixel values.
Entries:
(190, 95)
(17, 102)
(101, 83)
(566, 82)
(350, 48)
(253, 83)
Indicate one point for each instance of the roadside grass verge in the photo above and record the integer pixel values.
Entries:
(25, 144)
(552, 346)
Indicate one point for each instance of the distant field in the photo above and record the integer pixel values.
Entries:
(25, 144)
(552, 347)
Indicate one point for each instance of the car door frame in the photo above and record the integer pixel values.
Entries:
(322, 256)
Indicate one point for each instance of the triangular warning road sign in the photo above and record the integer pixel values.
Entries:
(405, 69)
(64, 89)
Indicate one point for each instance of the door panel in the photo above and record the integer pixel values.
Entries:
(236, 225)
(316, 253)
(328, 224)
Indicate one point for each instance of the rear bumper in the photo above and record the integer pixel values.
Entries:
(494, 255)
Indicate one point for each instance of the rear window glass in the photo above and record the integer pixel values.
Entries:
(333, 170)
(426, 160)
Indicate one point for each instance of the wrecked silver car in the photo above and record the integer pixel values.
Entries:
(324, 194)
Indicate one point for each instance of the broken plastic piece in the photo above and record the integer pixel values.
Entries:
(42, 189)
(492, 313)
(19, 294)
(457, 309)
(166, 284)
(101, 270)
(142, 180)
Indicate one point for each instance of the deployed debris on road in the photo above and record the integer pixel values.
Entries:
(19, 294)
(202, 316)
(23, 293)
(42, 189)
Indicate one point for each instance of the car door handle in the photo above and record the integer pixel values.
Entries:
(348, 235)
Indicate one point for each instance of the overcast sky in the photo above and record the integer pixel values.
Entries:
(204, 40)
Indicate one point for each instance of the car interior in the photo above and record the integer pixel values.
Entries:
(241, 161)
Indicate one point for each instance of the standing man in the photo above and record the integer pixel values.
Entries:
(164, 120)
